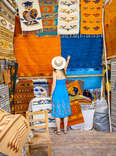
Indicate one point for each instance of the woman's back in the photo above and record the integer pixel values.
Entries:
(60, 74)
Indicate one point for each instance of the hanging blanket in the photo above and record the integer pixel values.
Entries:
(14, 130)
(34, 54)
(30, 16)
(84, 52)
(4, 97)
(7, 22)
(68, 17)
(23, 95)
(49, 13)
(91, 17)
(110, 28)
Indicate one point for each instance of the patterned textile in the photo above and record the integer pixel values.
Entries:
(4, 97)
(14, 130)
(84, 52)
(68, 17)
(23, 95)
(76, 114)
(106, 85)
(43, 103)
(74, 89)
(34, 56)
(91, 17)
(49, 13)
(13, 67)
(1, 77)
(30, 16)
(110, 28)
(113, 93)
(6, 74)
(6, 24)
(3, 66)
(41, 88)
(7, 12)
(7, 21)
(75, 93)
(81, 83)
(3, 111)
(81, 99)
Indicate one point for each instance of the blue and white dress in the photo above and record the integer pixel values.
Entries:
(60, 100)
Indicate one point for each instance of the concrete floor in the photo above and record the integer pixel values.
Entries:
(81, 143)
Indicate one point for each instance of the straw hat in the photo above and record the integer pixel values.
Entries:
(58, 62)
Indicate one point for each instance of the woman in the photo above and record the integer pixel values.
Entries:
(60, 98)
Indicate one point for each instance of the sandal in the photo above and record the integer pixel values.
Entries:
(57, 132)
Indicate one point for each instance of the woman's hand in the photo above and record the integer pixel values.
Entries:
(68, 58)
(67, 61)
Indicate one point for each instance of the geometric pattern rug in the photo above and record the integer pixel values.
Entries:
(7, 22)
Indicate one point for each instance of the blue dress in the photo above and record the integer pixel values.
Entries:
(60, 100)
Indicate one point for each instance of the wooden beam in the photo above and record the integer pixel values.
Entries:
(68, 76)
(111, 57)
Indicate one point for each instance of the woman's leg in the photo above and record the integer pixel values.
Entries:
(65, 124)
(58, 123)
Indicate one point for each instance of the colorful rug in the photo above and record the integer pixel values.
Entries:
(7, 22)
(13, 67)
(41, 88)
(81, 83)
(81, 99)
(49, 13)
(68, 17)
(76, 114)
(110, 28)
(14, 130)
(23, 95)
(30, 15)
(91, 17)
(8, 75)
(4, 97)
(74, 89)
(7, 12)
(43, 103)
(84, 52)
(34, 56)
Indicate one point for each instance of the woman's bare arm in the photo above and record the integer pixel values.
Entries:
(54, 83)
(67, 62)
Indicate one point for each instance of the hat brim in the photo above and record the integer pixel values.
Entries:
(61, 66)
